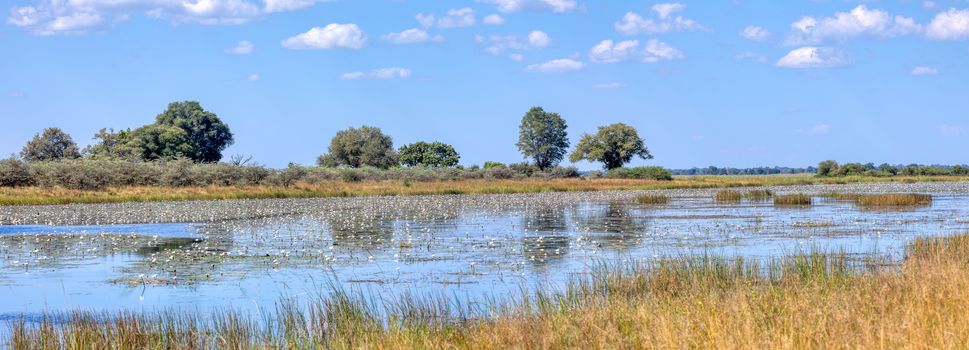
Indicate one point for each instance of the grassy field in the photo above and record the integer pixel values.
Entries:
(45, 195)
(812, 300)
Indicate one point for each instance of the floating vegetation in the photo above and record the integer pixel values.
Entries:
(892, 200)
(793, 199)
(652, 199)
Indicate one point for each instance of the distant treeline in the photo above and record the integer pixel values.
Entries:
(830, 168)
(712, 170)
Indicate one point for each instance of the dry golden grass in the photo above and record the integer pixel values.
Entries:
(793, 199)
(891, 200)
(807, 301)
(652, 199)
(728, 196)
(43, 195)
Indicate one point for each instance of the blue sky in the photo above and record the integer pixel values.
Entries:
(727, 83)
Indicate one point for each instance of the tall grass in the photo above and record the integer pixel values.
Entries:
(812, 300)
(652, 199)
(728, 196)
(793, 200)
(883, 200)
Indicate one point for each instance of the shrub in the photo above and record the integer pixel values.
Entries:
(489, 165)
(14, 173)
(645, 172)
(350, 175)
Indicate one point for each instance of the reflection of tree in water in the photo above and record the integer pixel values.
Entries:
(544, 239)
(63, 249)
(362, 230)
(612, 226)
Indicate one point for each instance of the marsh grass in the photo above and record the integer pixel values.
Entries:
(728, 196)
(652, 199)
(809, 300)
(793, 200)
(893, 200)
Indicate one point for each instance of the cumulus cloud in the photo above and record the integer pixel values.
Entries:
(242, 48)
(50, 17)
(812, 57)
(922, 70)
(498, 44)
(859, 22)
(463, 17)
(332, 36)
(633, 23)
(654, 51)
(379, 74)
(517, 57)
(493, 19)
(948, 25)
(556, 66)
(755, 33)
(411, 36)
(557, 6)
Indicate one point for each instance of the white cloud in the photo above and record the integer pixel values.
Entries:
(557, 6)
(812, 57)
(755, 33)
(952, 130)
(463, 17)
(242, 48)
(332, 36)
(612, 85)
(654, 51)
(948, 25)
(859, 22)
(426, 20)
(48, 17)
(556, 66)
(493, 19)
(517, 57)
(922, 70)
(633, 23)
(253, 77)
(816, 130)
(538, 38)
(411, 36)
(498, 44)
(753, 56)
(379, 74)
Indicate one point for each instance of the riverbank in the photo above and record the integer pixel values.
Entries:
(56, 195)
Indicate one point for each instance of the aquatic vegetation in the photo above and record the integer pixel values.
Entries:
(652, 199)
(728, 196)
(882, 200)
(793, 199)
(698, 302)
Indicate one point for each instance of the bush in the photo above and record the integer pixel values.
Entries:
(489, 165)
(645, 172)
(14, 173)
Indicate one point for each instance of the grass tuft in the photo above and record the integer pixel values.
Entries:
(793, 199)
(729, 196)
(891, 200)
(652, 199)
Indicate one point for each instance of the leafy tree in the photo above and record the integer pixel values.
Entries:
(155, 141)
(357, 147)
(52, 144)
(206, 135)
(827, 168)
(542, 137)
(613, 145)
(111, 144)
(434, 154)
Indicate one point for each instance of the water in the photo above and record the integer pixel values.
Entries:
(246, 255)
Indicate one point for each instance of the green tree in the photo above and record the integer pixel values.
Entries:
(542, 137)
(827, 168)
(613, 145)
(206, 135)
(114, 145)
(155, 141)
(434, 154)
(357, 147)
(52, 144)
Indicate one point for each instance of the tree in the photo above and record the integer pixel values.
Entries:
(51, 144)
(357, 147)
(827, 168)
(206, 135)
(114, 145)
(613, 145)
(435, 154)
(542, 137)
(155, 142)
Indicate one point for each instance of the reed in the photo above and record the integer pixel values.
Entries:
(893, 200)
(652, 199)
(728, 196)
(793, 200)
(809, 300)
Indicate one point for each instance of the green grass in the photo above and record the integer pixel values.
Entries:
(652, 199)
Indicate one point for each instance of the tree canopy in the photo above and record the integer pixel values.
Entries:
(434, 154)
(613, 145)
(52, 144)
(357, 147)
(542, 137)
(206, 136)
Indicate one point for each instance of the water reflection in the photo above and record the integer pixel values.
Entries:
(613, 225)
(545, 237)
